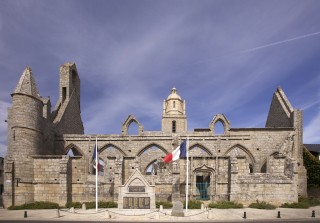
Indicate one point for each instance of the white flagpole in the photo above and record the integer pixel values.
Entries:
(97, 160)
(187, 177)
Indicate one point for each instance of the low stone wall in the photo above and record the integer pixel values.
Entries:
(264, 187)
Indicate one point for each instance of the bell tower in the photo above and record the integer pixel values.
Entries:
(174, 117)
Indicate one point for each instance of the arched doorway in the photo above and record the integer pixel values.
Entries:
(203, 182)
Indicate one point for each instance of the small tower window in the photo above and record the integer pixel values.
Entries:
(174, 104)
(64, 94)
(174, 126)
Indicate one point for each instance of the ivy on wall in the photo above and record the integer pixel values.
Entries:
(313, 168)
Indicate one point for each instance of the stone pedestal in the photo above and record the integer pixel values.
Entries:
(177, 209)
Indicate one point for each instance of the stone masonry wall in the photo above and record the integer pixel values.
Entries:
(47, 178)
(257, 146)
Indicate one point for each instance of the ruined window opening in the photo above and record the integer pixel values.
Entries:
(64, 94)
(133, 128)
(150, 149)
(152, 168)
(198, 151)
(174, 126)
(264, 168)
(111, 151)
(250, 168)
(70, 153)
(218, 128)
(73, 152)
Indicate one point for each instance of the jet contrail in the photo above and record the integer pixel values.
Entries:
(280, 42)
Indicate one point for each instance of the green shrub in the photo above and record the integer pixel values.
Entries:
(313, 168)
(225, 205)
(262, 205)
(165, 204)
(302, 203)
(101, 204)
(193, 204)
(295, 205)
(35, 205)
(71, 204)
(311, 201)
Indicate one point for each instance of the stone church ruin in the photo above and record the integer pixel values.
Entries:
(242, 164)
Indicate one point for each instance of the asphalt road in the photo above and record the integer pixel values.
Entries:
(243, 221)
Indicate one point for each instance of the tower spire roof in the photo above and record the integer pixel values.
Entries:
(174, 94)
(27, 84)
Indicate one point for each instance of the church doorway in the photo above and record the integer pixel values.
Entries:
(203, 185)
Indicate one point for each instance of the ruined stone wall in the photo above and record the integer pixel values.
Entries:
(70, 122)
(207, 151)
(67, 113)
(256, 146)
(47, 179)
(274, 187)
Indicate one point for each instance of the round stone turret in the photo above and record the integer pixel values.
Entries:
(25, 117)
(24, 133)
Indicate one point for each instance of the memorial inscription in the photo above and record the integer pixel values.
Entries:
(137, 189)
(136, 202)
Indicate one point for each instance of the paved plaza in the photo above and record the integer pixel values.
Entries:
(115, 214)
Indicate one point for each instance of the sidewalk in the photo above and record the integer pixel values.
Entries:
(115, 214)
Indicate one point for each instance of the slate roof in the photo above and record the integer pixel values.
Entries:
(313, 147)
(27, 84)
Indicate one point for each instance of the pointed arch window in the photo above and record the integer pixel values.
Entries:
(219, 128)
(152, 168)
(73, 152)
(133, 128)
(264, 167)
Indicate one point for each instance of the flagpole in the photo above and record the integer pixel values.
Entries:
(187, 177)
(97, 160)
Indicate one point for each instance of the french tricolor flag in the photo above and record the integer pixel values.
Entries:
(179, 152)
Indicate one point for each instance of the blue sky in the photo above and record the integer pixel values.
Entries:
(222, 56)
